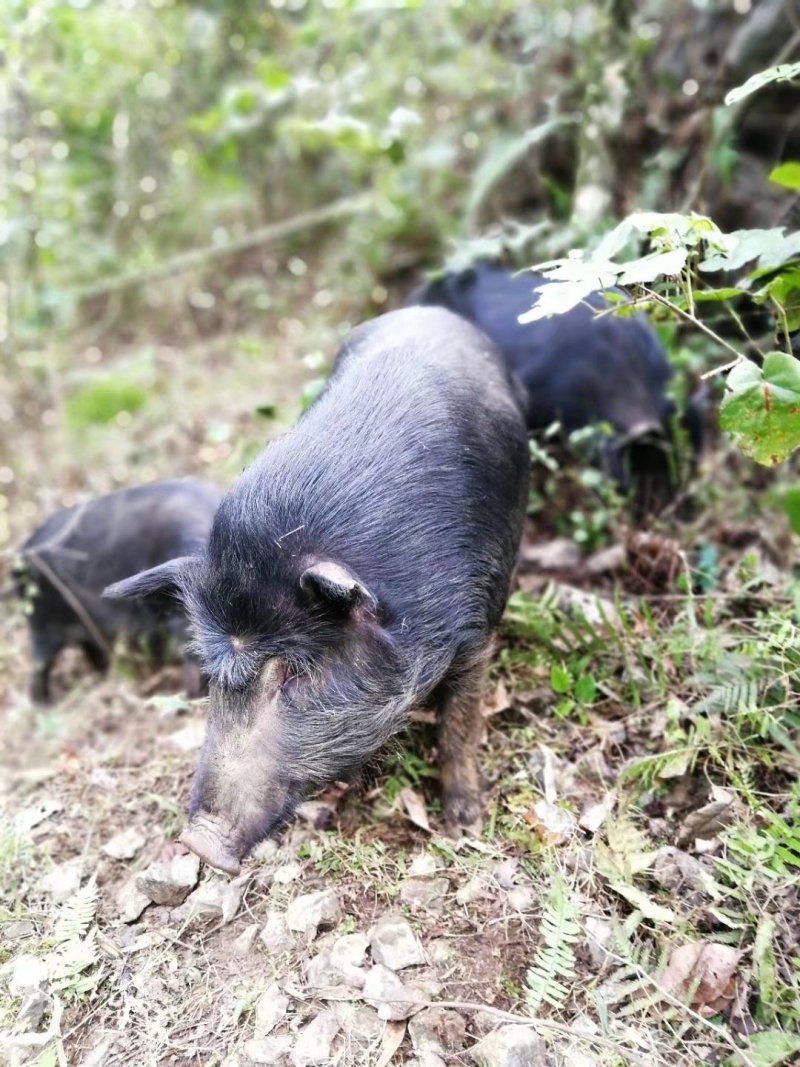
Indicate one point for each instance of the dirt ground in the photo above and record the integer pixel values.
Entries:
(611, 913)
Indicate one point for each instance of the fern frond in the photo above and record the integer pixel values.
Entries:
(77, 914)
(553, 964)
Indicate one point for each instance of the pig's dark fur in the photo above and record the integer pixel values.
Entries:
(410, 470)
(67, 562)
(579, 369)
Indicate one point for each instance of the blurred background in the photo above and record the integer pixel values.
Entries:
(200, 199)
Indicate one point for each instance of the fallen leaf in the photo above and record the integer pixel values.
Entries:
(708, 820)
(703, 971)
(415, 808)
(643, 903)
(551, 823)
(392, 1040)
(595, 815)
(497, 702)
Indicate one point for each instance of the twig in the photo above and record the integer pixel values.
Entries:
(197, 257)
(72, 599)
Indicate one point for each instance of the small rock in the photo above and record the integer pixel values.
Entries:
(521, 898)
(28, 975)
(18, 930)
(270, 1009)
(360, 1025)
(394, 944)
(437, 1030)
(313, 1044)
(125, 845)
(674, 869)
(421, 893)
(188, 739)
(505, 872)
(275, 934)
(440, 951)
(269, 1050)
(62, 881)
(350, 950)
(423, 865)
(307, 913)
(170, 881)
(599, 933)
(289, 872)
(32, 1011)
(332, 980)
(243, 944)
(131, 901)
(607, 560)
(387, 994)
(556, 555)
(474, 889)
(510, 1046)
(215, 896)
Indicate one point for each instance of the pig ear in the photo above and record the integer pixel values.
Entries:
(334, 584)
(166, 580)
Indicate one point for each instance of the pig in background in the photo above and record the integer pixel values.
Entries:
(355, 572)
(581, 370)
(67, 562)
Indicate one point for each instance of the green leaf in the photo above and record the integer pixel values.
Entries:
(791, 505)
(585, 689)
(783, 72)
(560, 679)
(787, 175)
(770, 1048)
(784, 290)
(653, 266)
(761, 410)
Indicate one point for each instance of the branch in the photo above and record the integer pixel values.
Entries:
(198, 257)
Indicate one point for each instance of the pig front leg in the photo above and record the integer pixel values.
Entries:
(459, 707)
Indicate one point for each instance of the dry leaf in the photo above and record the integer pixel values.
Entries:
(392, 1040)
(551, 823)
(415, 808)
(704, 970)
(595, 815)
(549, 765)
(497, 702)
(710, 819)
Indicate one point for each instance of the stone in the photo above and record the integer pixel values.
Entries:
(32, 1011)
(521, 898)
(215, 896)
(394, 944)
(275, 934)
(424, 893)
(269, 1050)
(62, 881)
(269, 1010)
(28, 975)
(313, 1043)
(242, 945)
(131, 901)
(125, 845)
(386, 993)
(332, 979)
(510, 1046)
(676, 870)
(169, 882)
(287, 873)
(361, 1027)
(599, 933)
(307, 913)
(437, 1030)
(423, 865)
(556, 555)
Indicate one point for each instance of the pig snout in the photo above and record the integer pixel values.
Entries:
(209, 839)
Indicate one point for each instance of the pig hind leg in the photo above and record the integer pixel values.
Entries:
(97, 657)
(459, 708)
(45, 646)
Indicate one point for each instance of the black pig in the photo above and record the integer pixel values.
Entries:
(356, 571)
(66, 563)
(580, 370)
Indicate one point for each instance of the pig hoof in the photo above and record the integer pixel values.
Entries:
(463, 817)
(201, 839)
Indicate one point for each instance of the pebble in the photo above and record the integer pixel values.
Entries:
(422, 893)
(242, 945)
(510, 1046)
(215, 896)
(313, 1044)
(269, 1050)
(125, 845)
(437, 1030)
(394, 944)
(275, 934)
(169, 882)
(387, 994)
(131, 901)
(307, 913)
(270, 1009)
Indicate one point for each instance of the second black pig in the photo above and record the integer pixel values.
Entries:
(67, 562)
(356, 571)
(580, 370)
